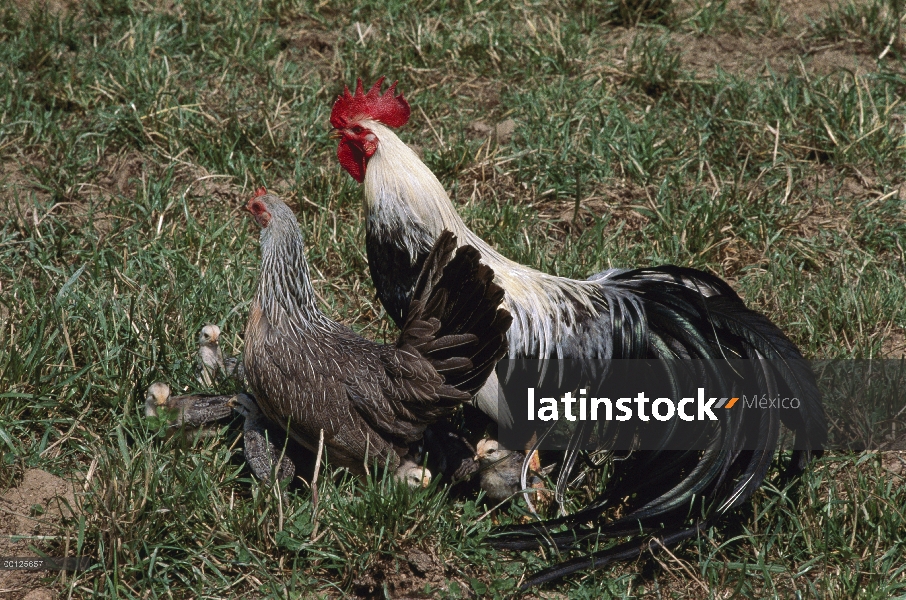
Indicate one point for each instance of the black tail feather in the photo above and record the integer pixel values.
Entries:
(685, 314)
(630, 550)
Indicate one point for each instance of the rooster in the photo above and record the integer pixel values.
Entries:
(366, 401)
(664, 312)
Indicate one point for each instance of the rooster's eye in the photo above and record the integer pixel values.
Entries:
(357, 129)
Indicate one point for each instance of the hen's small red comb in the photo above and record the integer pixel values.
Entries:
(260, 192)
(386, 108)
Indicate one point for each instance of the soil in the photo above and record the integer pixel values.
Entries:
(895, 345)
(52, 7)
(410, 575)
(36, 507)
(894, 461)
(740, 53)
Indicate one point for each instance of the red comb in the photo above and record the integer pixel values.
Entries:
(260, 192)
(386, 108)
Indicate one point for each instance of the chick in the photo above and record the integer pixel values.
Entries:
(191, 410)
(259, 435)
(414, 475)
(156, 399)
(501, 470)
(210, 359)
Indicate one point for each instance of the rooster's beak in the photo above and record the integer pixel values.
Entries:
(336, 134)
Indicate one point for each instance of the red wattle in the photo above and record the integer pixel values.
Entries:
(352, 159)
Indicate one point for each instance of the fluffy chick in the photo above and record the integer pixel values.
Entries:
(156, 399)
(259, 435)
(210, 358)
(501, 470)
(414, 475)
(192, 410)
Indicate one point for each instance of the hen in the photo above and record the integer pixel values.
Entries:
(311, 374)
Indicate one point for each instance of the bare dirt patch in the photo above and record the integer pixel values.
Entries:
(895, 345)
(743, 55)
(821, 216)
(40, 594)
(406, 576)
(17, 190)
(317, 46)
(119, 175)
(122, 172)
(804, 12)
(894, 462)
(33, 509)
(53, 7)
(502, 132)
(795, 46)
(484, 93)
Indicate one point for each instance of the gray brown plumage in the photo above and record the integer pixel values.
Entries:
(190, 410)
(371, 400)
(232, 366)
(262, 441)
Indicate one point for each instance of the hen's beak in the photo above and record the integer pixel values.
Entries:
(336, 134)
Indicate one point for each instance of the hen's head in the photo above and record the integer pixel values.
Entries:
(277, 220)
(269, 210)
(349, 118)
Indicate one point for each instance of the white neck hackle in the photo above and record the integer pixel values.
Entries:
(402, 193)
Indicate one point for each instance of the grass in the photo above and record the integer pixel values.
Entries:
(131, 134)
